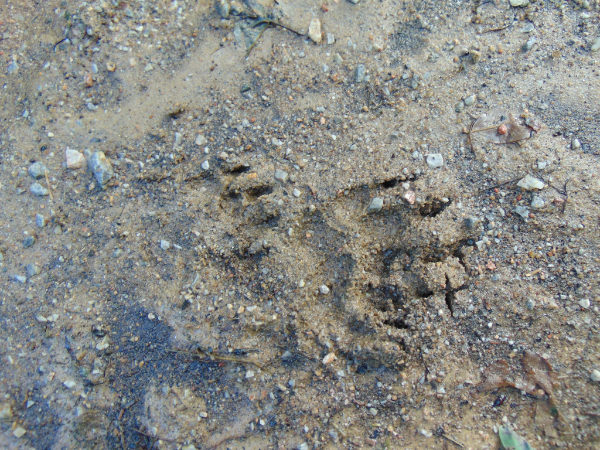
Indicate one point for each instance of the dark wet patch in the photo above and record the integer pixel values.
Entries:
(145, 357)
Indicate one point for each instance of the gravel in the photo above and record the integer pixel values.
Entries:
(200, 140)
(32, 270)
(101, 168)
(324, 289)
(376, 204)
(38, 189)
(281, 175)
(40, 221)
(530, 183)
(28, 241)
(314, 31)
(37, 170)
(360, 73)
(74, 159)
(435, 160)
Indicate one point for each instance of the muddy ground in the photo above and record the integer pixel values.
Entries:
(385, 239)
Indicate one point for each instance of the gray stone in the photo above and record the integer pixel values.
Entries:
(165, 245)
(314, 30)
(596, 45)
(529, 44)
(281, 175)
(200, 140)
(517, 3)
(38, 189)
(12, 67)
(575, 144)
(28, 241)
(530, 183)
(223, 8)
(584, 303)
(354, 2)
(37, 170)
(537, 202)
(101, 168)
(32, 270)
(40, 221)
(470, 100)
(435, 160)
(595, 376)
(330, 38)
(360, 73)
(522, 211)
(324, 289)
(19, 279)
(528, 28)
(74, 159)
(205, 165)
(376, 204)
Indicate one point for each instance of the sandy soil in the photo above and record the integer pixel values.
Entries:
(386, 239)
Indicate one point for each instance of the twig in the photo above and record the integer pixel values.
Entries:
(451, 439)
(491, 30)
(215, 357)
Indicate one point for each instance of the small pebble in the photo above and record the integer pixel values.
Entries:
(596, 45)
(530, 183)
(101, 168)
(249, 374)
(40, 221)
(470, 100)
(324, 289)
(373, 411)
(28, 241)
(410, 197)
(522, 211)
(37, 170)
(537, 202)
(575, 144)
(19, 432)
(296, 193)
(74, 159)
(70, 384)
(20, 278)
(459, 106)
(329, 358)
(165, 245)
(359, 73)
(38, 189)
(281, 175)
(314, 30)
(223, 8)
(584, 303)
(595, 376)
(5, 411)
(205, 165)
(200, 140)
(376, 204)
(529, 44)
(435, 160)
(330, 38)
(517, 3)
(12, 67)
(32, 270)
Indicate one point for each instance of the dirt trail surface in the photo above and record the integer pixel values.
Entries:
(299, 224)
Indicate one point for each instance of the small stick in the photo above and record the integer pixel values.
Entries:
(451, 439)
